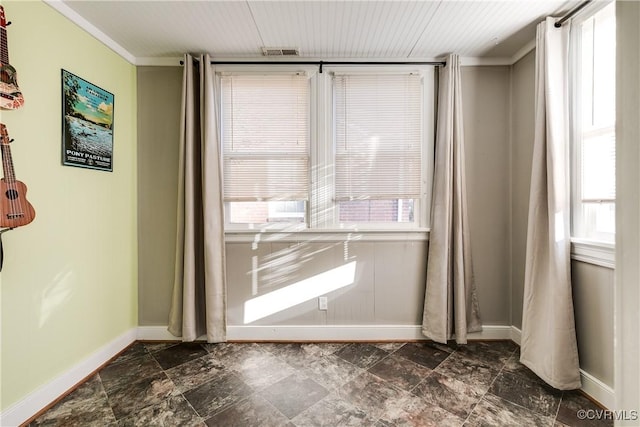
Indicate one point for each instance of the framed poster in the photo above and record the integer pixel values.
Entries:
(87, 124)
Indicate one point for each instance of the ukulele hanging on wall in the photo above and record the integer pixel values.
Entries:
(15, 210)
(10, 95)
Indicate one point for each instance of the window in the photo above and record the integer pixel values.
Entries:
(378, 147)
(346, 148)
(594, 138)
(265, 139)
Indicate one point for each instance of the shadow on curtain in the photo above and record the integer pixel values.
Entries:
(451, 302)
(198, 305)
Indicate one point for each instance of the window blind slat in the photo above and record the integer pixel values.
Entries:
(265, 133)
(378, 136)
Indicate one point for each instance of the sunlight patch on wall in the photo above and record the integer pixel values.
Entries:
(57, 293)
(299, 292)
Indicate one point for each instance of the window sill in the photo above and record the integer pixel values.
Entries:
(594, 252)
(339, 235)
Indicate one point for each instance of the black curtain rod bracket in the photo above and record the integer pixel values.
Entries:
(571, 13)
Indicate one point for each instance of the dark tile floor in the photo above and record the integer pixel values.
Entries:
(359, 384)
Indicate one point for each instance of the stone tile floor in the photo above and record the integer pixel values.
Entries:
(323, 384)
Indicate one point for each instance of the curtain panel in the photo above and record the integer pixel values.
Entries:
(451, 303)
(548, 345)
(198, 304)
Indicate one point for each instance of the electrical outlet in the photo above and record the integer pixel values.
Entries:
(322, 303)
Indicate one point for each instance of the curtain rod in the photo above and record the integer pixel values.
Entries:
(572, 12)
(320, 64)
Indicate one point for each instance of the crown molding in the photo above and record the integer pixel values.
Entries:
(524, 50)
(74, 17)
(159, 62)
(467, 61)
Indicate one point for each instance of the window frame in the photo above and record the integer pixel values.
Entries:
(321, 208)
(327, 205)
(594, 250)
(252, 69)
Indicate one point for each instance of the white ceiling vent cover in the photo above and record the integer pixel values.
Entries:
(280, 51)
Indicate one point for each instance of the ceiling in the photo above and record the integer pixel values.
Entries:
(160, 32)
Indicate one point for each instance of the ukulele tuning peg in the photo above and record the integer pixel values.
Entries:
(11, 140)
(8, 23)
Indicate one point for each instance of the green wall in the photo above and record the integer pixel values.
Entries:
(69, 282)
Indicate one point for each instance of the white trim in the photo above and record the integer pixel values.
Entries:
(597, 390)
(159, 62)
(356, 60)
(77, 19)
(471, 61)
(597, 253)
(515, 335)
(491, 332)
(325, 333)
(37, 400)
(156, 333)
(254, 236)
(467, 61)
(524, 50)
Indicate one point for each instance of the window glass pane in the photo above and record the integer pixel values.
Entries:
(383, 211)
(604, 70)
(266, 212)
(599, 166)
(599, 221)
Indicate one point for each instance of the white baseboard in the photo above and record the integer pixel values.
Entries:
(37, 400)
(592, 386)
(324, 333)
(516, 335)
(492, 332)
(598, 390)
(156, 333)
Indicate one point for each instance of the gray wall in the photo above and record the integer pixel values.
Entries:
(485, 95)
(158, 133)
(593, 306)
(389, 285)
(522, 118)
(386, 289)
(592, 285)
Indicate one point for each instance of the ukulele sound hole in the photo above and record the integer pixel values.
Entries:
(11, 194)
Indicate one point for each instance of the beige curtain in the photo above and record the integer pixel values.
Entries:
(198, 305)
(451, 304)
(548, 345)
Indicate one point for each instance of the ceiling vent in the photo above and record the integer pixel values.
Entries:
(280, 51)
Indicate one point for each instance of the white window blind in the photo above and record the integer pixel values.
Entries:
(378, 136)
(265, 137)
